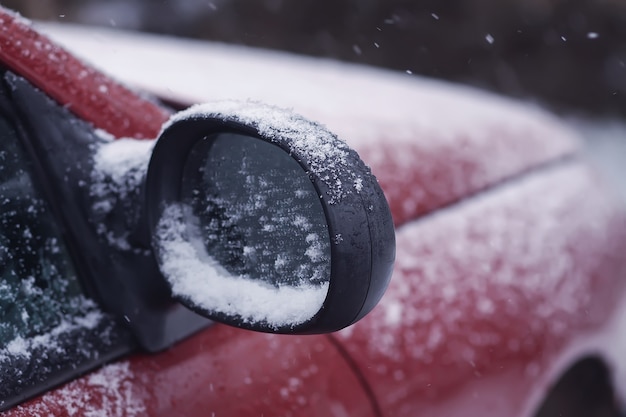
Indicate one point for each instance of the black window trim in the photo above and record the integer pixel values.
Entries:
(23, 379)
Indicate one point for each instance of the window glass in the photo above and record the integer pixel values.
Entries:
(38, 285)
(50, 332)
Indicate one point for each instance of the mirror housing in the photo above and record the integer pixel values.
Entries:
(360, 229)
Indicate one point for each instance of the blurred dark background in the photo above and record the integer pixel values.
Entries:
(570, 55)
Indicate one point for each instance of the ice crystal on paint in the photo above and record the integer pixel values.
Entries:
(108, 392)
(503, 274)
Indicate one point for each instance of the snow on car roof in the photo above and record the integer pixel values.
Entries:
(317, 88)
(429, 143)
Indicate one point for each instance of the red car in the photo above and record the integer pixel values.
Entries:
(507, 296)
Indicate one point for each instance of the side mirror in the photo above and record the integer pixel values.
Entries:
(264, 220)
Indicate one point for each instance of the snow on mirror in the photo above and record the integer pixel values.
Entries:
(248, 236)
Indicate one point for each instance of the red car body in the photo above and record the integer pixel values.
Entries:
(510, 268)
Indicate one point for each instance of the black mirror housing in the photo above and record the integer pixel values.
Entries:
(358, 227)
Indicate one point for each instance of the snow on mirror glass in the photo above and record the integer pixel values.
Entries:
(249, 238)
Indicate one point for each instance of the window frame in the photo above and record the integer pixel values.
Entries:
(85, 348)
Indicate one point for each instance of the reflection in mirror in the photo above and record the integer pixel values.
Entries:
(249, 236)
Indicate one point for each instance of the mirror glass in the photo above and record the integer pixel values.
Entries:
(248, 237)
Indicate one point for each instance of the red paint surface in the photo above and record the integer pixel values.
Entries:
(220, 372)
(487, 296)
(422, 169)
(87, 92)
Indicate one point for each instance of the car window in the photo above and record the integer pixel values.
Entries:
(49, 330)
(38, 285)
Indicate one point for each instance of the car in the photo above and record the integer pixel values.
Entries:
(507, 295)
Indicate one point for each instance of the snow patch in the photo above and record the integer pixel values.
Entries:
(119, 167)
(16, 17)
(326, 156)
(605, 145)
(108, 392)
(89, 318)
(197, 277)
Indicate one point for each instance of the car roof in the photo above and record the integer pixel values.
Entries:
(430, 143)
